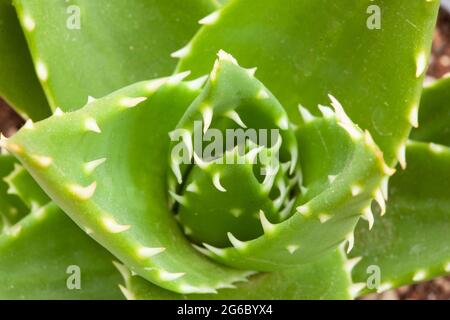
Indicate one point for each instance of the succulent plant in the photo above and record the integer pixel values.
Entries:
(115, 198)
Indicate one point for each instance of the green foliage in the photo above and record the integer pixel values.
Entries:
(12, 209)
(309, 49)
(16, 68)
(104, 49)
(324, 279)
(36, 260)
(103, 187)
(411, 243)
(435, 114)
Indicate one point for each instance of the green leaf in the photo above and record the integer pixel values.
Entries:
(339, 187)
(305, 50)
(87, 48)
(325, 279)
(45, 250)
(114, 185)
(434, 123)
(20, 183)
(19, 85)
(411, 243)
(240, 108)
(12, 209)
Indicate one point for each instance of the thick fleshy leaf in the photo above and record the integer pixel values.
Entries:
(306, 49)
(325, 279)
(87, 48)
(114, 185)
(12, 208)
(434, 123)
(412, 241)
(19, 85)
(49, 257)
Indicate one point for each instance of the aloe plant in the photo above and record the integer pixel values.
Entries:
(115, 198)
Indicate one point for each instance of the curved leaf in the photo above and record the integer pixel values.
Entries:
(434, 123)
(19, 85)
(21, 184)
(336, 158)
(12, 209)
(411, 243)
(305, 50)
(325, 279)
(114, 186)
(87, 48)
(38, 260)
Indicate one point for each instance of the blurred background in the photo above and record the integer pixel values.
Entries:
(439, 288)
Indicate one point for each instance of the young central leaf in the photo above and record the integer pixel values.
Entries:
(269, 214)
(244, 156)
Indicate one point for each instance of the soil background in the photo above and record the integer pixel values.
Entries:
(438, 289)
